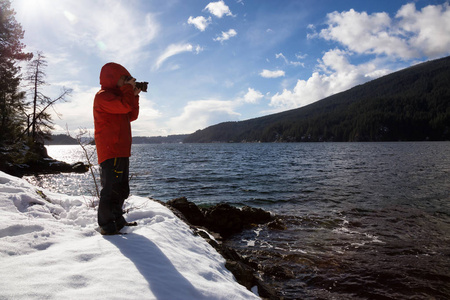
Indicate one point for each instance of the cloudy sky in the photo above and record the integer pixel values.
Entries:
(230, 60)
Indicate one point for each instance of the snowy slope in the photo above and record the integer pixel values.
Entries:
(49, 249)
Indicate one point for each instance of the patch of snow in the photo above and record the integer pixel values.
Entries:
(50, 249)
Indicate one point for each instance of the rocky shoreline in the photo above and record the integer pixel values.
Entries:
(24, 161)
(217, 224)
(46, 166)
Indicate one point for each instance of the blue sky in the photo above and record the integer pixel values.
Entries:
(213, 61)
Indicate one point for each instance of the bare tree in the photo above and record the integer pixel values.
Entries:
(39, 120)
(85, 141)
(88, 154)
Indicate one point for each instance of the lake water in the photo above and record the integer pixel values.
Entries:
(364, 220)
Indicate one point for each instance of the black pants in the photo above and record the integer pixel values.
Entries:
(115, 189)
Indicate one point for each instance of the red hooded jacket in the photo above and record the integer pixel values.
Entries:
(114, 109)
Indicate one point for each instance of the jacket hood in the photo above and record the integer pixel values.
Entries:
(110, 74)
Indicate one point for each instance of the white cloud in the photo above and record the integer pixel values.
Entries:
(290, 62)
(301, 56)
(253, 96)
(430, 28)
(202, 113)
(200, 22)
(73, 112)
(175, 49)
(338, 75)
(365, 33)
(198, 49)
(149, 120)
(280, 55)
(272, 74)
(226, 35)
(89, 29)
(412, 34)
(218, 9)
(70, 17)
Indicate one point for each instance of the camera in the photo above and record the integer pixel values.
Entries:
(142, 86)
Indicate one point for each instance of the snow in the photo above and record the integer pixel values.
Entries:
(50, 249)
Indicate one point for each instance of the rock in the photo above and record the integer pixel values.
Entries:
(207, 237)
(266, 291)
(52, 166)
(227, 220)
(279, 271)
(79, 167)
(20, 160)
(230, 253)
(224, 219)
(242, 273)
(221, 218)
(44, 166)
(190, 211)
(277, 224)
(253, 215)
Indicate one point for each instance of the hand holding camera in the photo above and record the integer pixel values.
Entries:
(141, 86)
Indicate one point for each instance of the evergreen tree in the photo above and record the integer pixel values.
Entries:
(12, 101)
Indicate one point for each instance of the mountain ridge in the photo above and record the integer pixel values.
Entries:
(412, 104)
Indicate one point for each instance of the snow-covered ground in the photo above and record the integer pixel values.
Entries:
(50, 249)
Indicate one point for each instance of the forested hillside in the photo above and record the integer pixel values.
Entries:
(61, 139)
(409, 105)
(171, 139)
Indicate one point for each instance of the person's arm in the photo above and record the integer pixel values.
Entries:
(135, 109)
(117, 104)
(133, 101)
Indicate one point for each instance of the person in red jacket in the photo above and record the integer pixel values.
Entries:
(116, 105)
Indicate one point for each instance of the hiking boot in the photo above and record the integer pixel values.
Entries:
(104, 232)
(109, 229)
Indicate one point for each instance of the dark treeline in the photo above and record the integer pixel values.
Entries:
(64, 139)
(61, 139)
(170, 139)
(409, 105)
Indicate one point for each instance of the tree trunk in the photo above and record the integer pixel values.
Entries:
(33, 130)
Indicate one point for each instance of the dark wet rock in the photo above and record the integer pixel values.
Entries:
(242, 272)
(266, 291)
(45, 166)
(276, 224)
(228, 220)
(208, 237)
(190, 211)
(22, 160)
(279, 272)
(79, 167)
(224, 219)
(253, 215)
(216, 224)
(355, 224)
